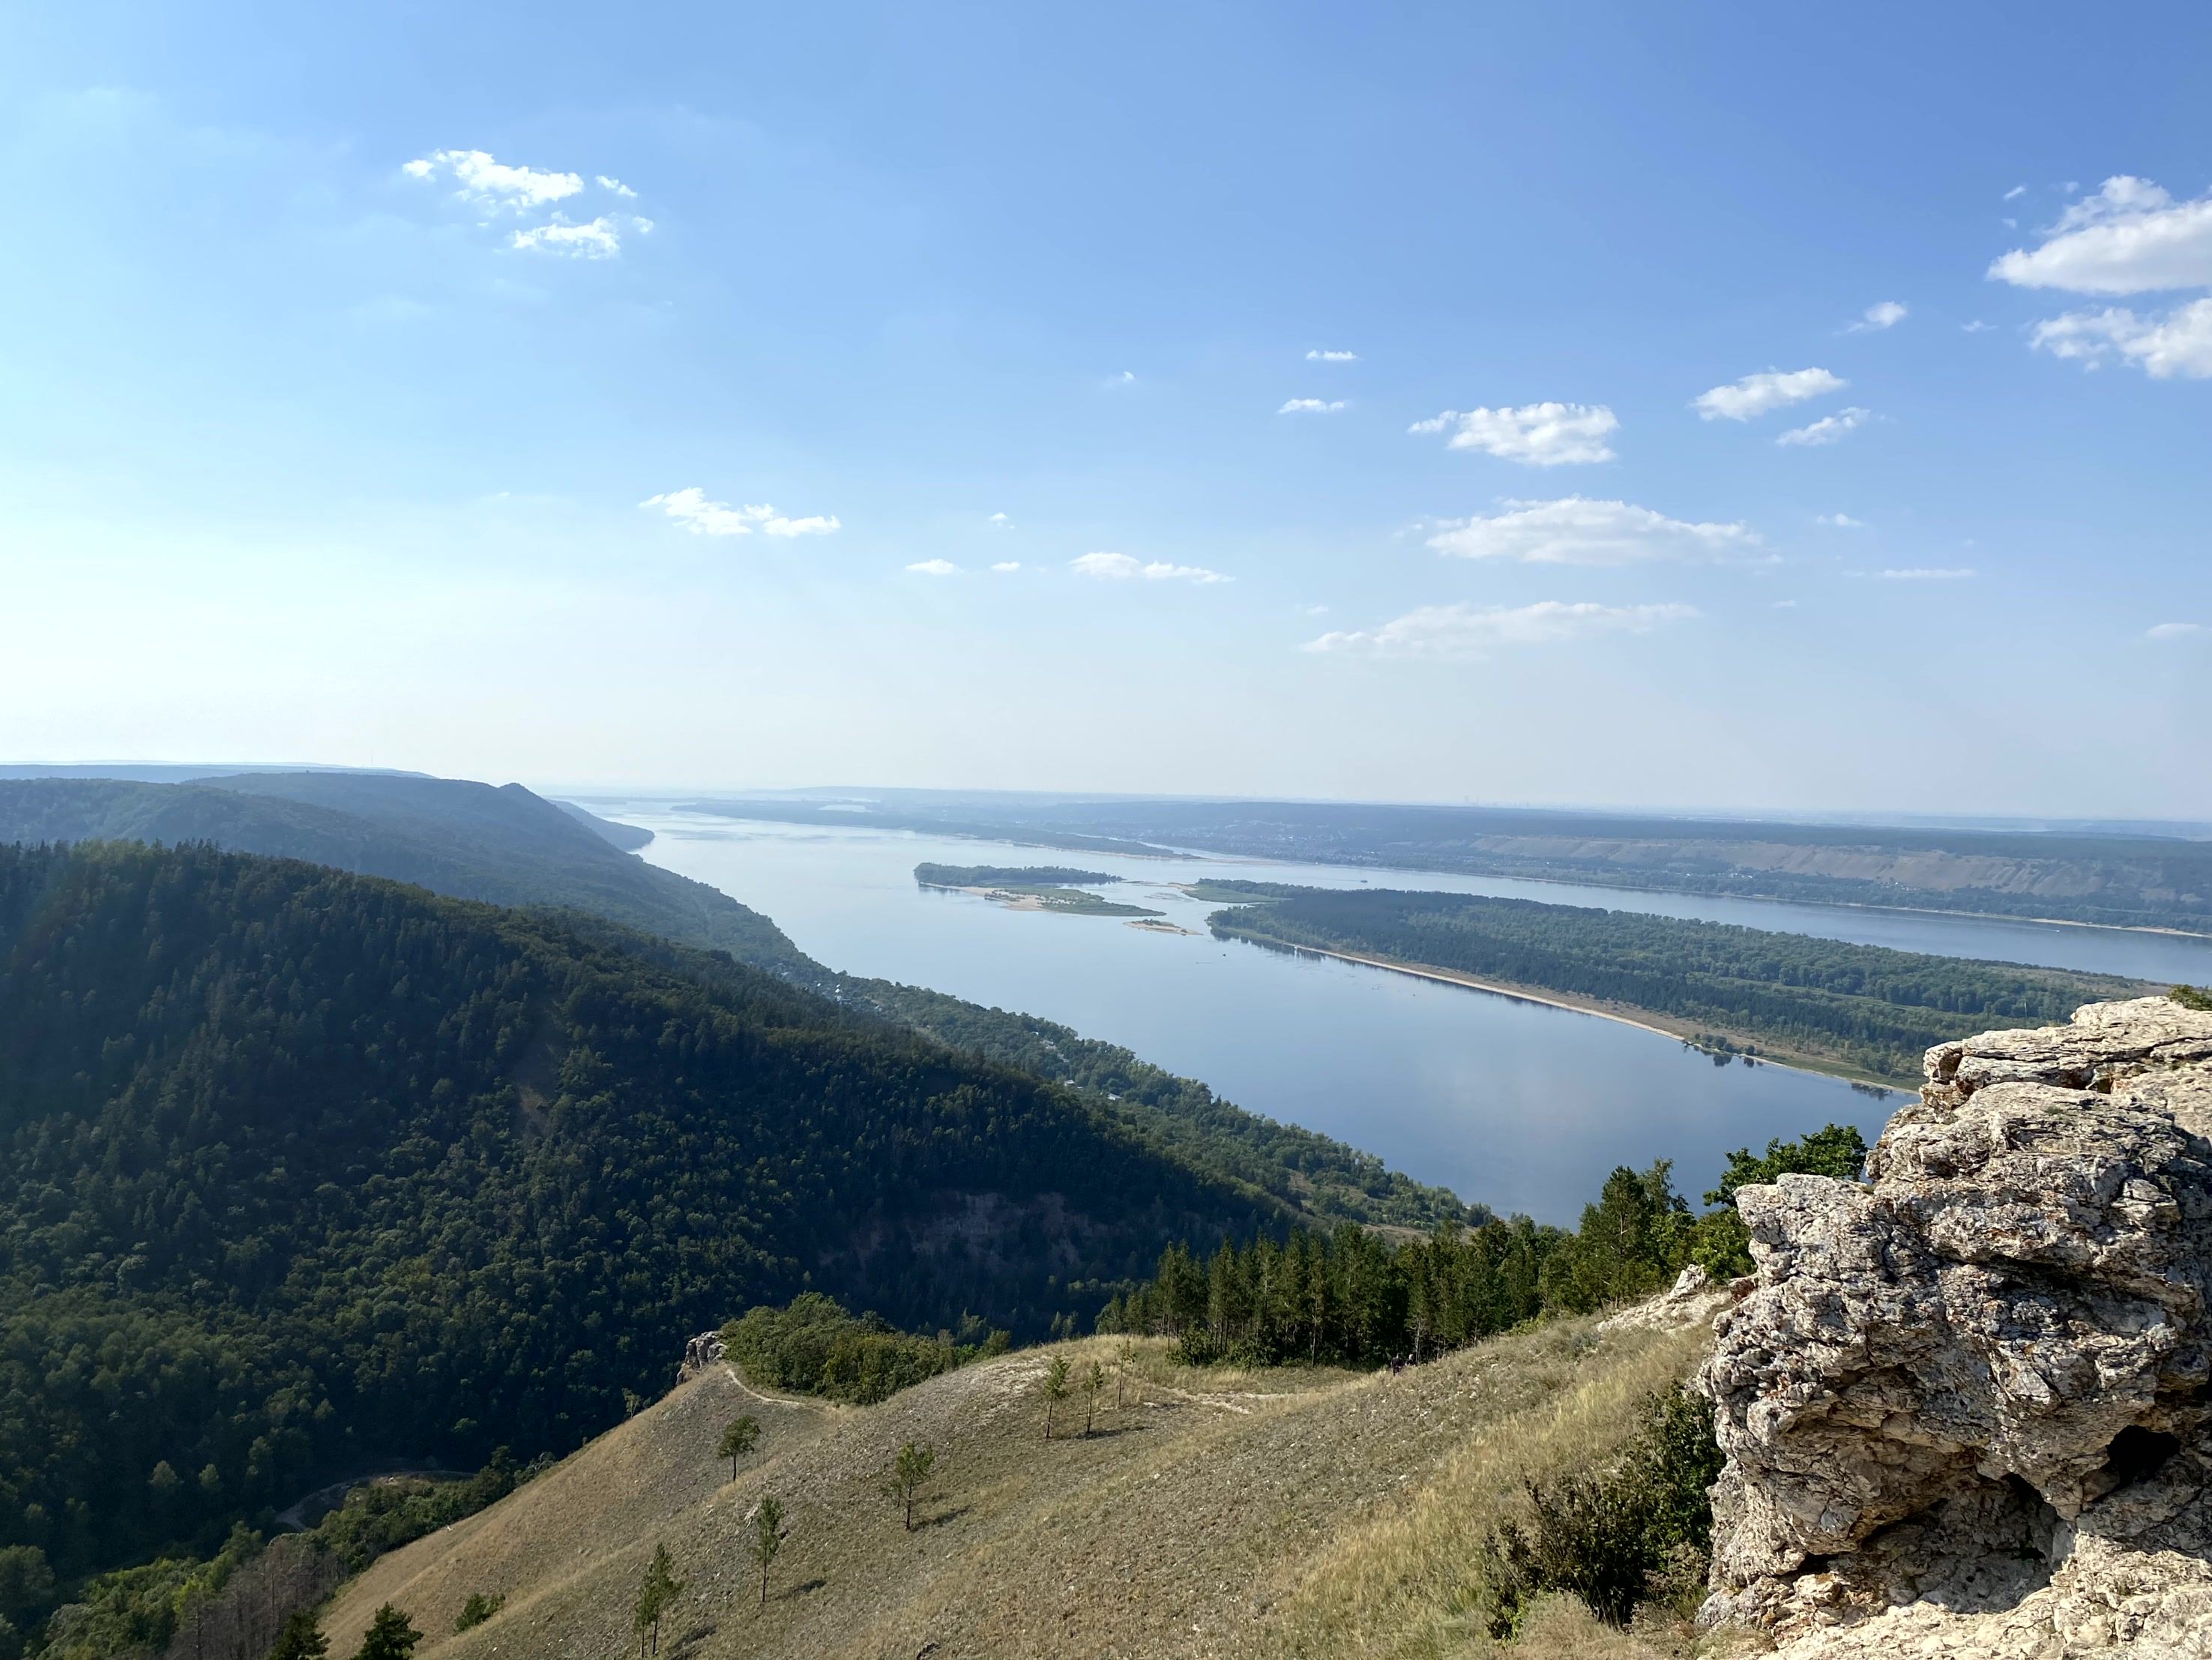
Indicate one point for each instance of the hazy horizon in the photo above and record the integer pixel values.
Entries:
(1582, 405)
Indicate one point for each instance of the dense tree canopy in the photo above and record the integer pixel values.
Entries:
(1865, 1006)
(299, 1171)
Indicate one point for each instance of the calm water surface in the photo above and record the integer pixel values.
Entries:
(1518, 1105)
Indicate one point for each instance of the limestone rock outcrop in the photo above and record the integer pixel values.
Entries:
(1967, 1407)
(702, 1352)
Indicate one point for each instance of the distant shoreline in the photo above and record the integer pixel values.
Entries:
(1565, 1000)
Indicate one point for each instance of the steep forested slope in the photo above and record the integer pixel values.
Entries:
(504, 846)
(298, 1167)
(509, 846)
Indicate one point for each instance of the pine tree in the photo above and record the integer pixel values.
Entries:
(1055, 1388)
(742, 1436)
(391, 1636)
(908, 1472)
(1094, 1381)
(1122, 1360)
(767, 1539)
(661, 1587)
(300, 1640)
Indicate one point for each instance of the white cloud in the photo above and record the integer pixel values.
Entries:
(1313, 611)
(1462, 631)
(1541, 434)
(691, 510)
(1578, 531)
(1125, 378)
(1122, 568)
(1004, 565)
(999, 519)
(934, 567)
(617, 186)
(1756, 394)
(2173, 630)
(600, 239)
(1977, 326)
(1321, 354)
(493, 185)
(1887, 315)
(2177, 343)
(1840, 521)
(1310, 406)
(2130, 237)
(2015, 192)
(1784, 605)
(1828, 429)
(1921, 574)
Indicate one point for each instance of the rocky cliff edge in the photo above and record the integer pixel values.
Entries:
(1967, 1407)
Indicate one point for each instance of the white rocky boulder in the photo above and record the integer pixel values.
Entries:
(1974, 1392)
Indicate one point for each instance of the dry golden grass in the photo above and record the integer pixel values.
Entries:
(1279, 1512)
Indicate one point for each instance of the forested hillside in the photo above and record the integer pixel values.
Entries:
(504, 846)
(299, 1171)
(509, 846)
(1862, 1008)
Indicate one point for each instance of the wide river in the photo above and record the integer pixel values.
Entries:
(1522, 1106)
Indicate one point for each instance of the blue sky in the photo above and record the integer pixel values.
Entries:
(1685, 404)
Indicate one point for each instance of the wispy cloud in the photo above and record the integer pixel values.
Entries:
(1828, 429)
(1540, 434)
(2179, 343)
(1840, 521)
(998, 522)
(1126, 378)
(615, 185)
(1466, 631)
(1977, 326)
(493, 185)
(1920, 574)
(1578, 531)
(1124, 568)
(691, 510)
(1005, 565)
(2173, 630)
(934, 567)
(598, 238)
(1310, 406)
(2131, 237)
(1322, 355)
(1887, 315)
(1757, 394)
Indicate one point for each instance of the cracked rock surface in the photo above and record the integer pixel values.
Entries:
(1967, 1408)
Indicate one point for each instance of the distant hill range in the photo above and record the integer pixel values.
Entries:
(2115, 876)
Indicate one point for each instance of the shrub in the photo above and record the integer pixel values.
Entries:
(814, 1344)
(1637, 1531)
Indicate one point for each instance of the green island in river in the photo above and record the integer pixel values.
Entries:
(1865, 1013)
(1036, 887)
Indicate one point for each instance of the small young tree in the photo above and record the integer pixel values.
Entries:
(1093, 1383)
(742, 1436)
(908, 1472)
(1055, 1388)
(767, 1539)
(661, 1587)
(300, 1640)
(391, 1636)
(1122, 1360)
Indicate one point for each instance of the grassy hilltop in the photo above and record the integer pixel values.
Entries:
(1308, 1513)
